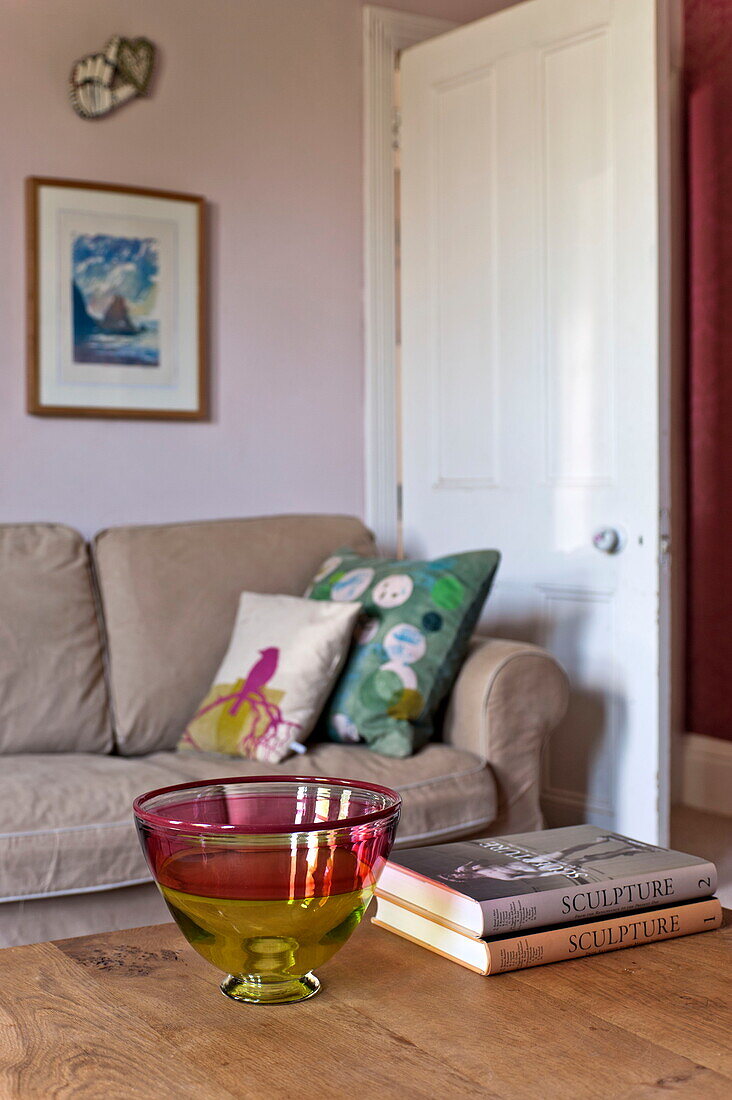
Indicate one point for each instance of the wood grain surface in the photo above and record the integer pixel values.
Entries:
(138, 1014)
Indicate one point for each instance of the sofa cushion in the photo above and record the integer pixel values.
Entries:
(52, 692)
(170, 595)
(446, 791)
(283, 659)
(66, 820)
(418, 619)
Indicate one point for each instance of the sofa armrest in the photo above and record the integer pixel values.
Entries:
(507, 699)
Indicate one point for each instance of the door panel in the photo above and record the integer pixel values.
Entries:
(579, 772)
(465, 233)
(532, 317)
(576, 179)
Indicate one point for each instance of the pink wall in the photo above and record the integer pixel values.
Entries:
(257, 106)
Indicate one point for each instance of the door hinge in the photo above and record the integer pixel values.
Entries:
(664, 540)
(396, 130)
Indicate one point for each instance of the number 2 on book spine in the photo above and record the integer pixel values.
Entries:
(705, 882)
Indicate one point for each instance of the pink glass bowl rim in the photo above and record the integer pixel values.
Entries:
(160, 822)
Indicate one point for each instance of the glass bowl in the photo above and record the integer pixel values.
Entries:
(265, 876)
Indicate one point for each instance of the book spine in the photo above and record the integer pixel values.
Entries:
(630, 930)
(583, 902)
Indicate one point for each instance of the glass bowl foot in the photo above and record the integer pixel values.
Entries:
(254, 992)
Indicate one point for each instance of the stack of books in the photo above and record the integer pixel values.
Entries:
(505, 903)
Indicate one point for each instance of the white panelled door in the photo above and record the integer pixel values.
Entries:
(534, 361)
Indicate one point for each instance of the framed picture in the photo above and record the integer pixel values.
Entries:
(116, 321)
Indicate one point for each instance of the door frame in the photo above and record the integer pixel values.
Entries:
(385, 33)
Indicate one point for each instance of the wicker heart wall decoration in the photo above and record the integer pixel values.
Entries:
(135, 62)
(102, 82)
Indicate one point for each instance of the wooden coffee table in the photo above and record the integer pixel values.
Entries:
(139, 1014)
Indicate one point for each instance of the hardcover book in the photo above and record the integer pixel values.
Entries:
(529, 880)
(536, 948)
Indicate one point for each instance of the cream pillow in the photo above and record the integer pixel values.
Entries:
(283, 659)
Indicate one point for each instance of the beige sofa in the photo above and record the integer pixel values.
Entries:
(105, 652)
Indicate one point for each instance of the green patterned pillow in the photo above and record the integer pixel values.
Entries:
(417, 620)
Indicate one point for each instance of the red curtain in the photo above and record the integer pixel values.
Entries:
(708, 72)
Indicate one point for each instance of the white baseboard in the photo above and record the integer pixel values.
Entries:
(706, 773)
